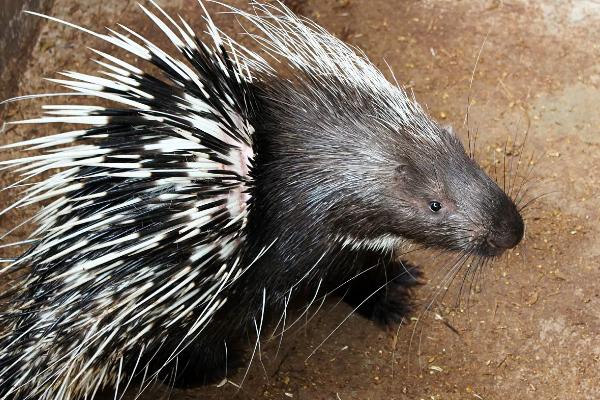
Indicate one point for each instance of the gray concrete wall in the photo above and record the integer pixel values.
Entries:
(18, 32)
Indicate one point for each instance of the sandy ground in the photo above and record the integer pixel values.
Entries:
(531, 327)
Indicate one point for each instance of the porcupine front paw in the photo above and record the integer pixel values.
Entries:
(387, 305)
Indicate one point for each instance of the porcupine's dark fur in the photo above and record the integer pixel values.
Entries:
(210, 195)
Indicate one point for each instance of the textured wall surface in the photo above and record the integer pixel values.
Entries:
(18, 32)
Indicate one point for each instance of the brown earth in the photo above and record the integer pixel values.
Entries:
(531, 327)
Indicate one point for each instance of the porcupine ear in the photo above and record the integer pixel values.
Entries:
(142, 194)
(403, 169)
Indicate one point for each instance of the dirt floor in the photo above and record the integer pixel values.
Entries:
(531, 329)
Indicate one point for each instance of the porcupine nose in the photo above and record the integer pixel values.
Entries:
(509, 229)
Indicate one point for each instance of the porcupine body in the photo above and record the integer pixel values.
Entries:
(208, 195)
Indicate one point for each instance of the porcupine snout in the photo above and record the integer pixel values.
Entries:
(507, 230)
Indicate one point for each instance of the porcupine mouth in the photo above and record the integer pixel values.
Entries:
(489, 248)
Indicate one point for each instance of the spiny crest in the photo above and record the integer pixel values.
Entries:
(143, 227)
(326, 64)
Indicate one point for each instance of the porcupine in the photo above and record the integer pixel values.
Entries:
(208, 195)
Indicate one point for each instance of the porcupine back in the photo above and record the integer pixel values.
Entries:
(143, 232)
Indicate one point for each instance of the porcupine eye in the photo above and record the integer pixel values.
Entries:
(435, 206)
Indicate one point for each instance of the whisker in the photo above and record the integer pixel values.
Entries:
(453, 262)
(351, 313)
(536, 198)
(466, 120)
(445, 284)
(516, 174)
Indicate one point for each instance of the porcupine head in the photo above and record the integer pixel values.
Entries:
(370, 176)
(344, 156)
